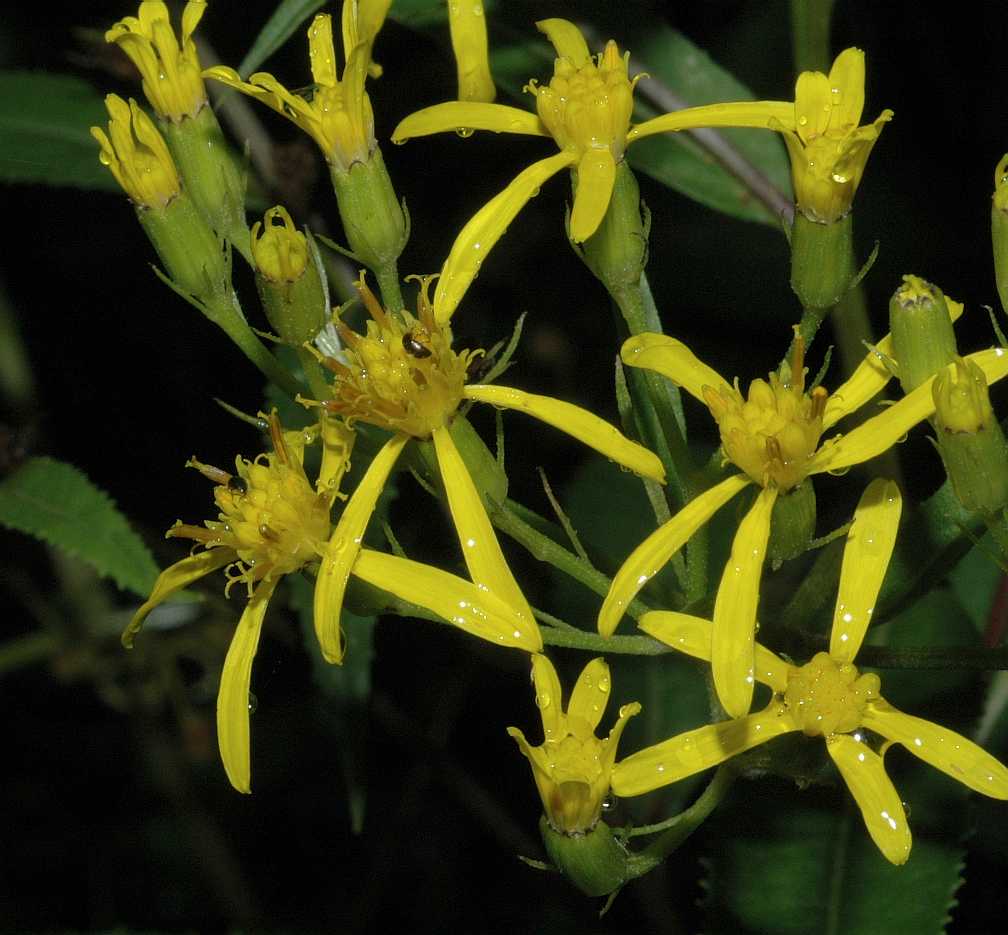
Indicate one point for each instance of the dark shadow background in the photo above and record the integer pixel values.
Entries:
(118, 818)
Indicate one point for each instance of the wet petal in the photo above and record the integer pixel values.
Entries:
(697, 750)
(692, 635)
(864, 773)
(321, 51)
(847, 81)
(596, 173)
(739, 114)
(944, 749)
(548, 695)
(467, 24)
(174, 578)
(337, 443)
(734, 624)
(813, 104)
(462, 603)
(566, 39)
(472, 115)
(672, 359)
(653, 553)
(485, 228)
(480, 548)
(233, 695)
(866, 557)
(577, 422)
(626, 712)
(344, 546)
(591, 693)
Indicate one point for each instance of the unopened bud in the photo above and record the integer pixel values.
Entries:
(922, 337)
(822, 260)
(595, 861)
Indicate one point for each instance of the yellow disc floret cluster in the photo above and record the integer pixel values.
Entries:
(772, 434)
(827, 696)
(588, 106)
(402, 374)
(271, 516)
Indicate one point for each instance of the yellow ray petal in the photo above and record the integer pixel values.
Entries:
(480, 548)
(944, 749)
(344, 546)
(654, 552)
(734, 624)
(813, 104)
(880, 432)
(468, 27)
(869, 378)
(863, 771)
(590, 696)
(697, 750)
(548, 695)
(174, 578)
(596, 173)
(321, 51)
(865, 560)
(763, 114)
(485, 228)
(337, 443)
(566, 39)
(462, 603)
(576, 422)
(468, 115)
(233, 695)
(692, 635)
(847, 81)
(672, 359)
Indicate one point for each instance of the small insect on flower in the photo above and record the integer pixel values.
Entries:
(414, 346)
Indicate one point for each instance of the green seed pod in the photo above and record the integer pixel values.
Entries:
(594, 861)
(822, 260)
(922, 337)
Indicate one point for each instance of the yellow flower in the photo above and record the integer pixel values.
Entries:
(774, 436)
(572, 767)
(403, 376)
(586, 108)
(279, 249)
(467, 23)
(336, 113)
(136, 154)
(169, 67)
(273, 522)
(827, 697)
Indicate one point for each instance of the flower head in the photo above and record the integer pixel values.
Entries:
(272, 522)
(826, 697)
(337, 113)
(828, 149)
(572, 767)
(774, 437)
(169, 67)
(279, 249)
(137, 155)
(403, 376)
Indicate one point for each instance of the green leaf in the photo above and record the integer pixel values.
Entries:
(55, 502)
(285, 21)
(45, 122)
(789, 866)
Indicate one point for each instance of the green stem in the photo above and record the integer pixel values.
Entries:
(314, 374)
(611, 645)
(27, 650)
(810, 26)
(677, 829)
(388, 284)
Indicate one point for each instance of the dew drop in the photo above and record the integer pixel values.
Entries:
(253, 703)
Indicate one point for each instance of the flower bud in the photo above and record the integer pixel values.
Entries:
(822, 260)
(617, 251)
(594, 861)
(922, 337)
(288, 278)
(374, 222)
(970, 440)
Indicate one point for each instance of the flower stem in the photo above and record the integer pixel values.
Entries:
(388, 284)
(678, 828)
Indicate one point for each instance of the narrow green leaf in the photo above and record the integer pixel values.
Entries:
(55, 502)
(285, 21)
(45, 122)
